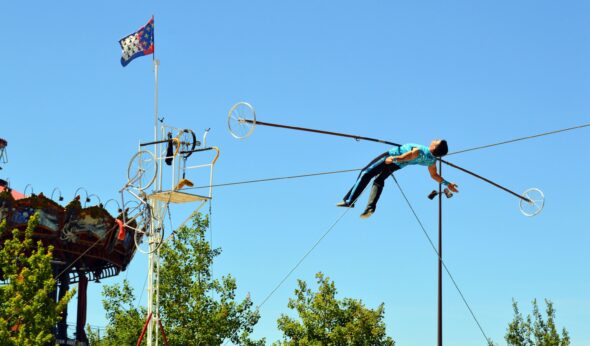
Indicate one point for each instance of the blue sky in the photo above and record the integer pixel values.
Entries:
(473, 73)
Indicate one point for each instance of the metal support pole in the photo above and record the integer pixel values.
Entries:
(486, 180)
(358, 138)
(156, 65)
(62, 326)
(153, 258)
(440, 253)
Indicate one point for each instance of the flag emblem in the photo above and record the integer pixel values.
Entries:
(138, 44)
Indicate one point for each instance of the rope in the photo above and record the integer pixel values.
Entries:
(273, 179)
(210, 233)
(85, 252)
(352, 170)
(142, 291)
(303, 258)
(519, 139)
(183, 222)
(299, 262)
(443, 262)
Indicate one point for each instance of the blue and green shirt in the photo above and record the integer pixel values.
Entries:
(425, 157)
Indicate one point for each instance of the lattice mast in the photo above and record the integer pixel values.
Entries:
(151, 170)
(154, 253)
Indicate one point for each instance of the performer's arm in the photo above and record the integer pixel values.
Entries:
(434, 174)
(410, 155)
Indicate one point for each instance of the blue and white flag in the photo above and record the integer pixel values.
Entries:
(138, 44)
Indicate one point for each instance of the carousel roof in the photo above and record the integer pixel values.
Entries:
(85, 240)
(15, 194)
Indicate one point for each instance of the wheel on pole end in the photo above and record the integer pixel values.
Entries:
(142, 170)
(241, 120)
(148, 234)
(535, 204)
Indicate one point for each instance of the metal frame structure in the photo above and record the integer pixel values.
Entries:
(147, 217)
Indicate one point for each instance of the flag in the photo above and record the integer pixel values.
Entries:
(138, 44)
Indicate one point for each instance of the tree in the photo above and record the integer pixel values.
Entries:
(535, 330)
(125, 320)
(324, 320)
(196, 309)
(28, 311)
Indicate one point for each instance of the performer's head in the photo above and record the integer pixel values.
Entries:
(438, 147)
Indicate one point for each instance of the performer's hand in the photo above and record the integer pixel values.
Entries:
(453, 187)
(389, 160)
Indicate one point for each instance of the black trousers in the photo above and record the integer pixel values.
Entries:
(375, 169)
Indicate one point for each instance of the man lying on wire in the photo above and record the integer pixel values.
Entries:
(390, 161)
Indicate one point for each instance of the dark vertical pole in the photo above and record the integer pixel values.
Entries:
(440, 253)
(82, 306)
(56, 269)
(62, 326)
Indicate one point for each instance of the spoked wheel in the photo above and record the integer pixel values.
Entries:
(536, 204)
(142, 170)
(148, 234)
(241, 120)
(188, 142)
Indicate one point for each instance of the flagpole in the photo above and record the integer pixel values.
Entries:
(156, 64)
(153, 258)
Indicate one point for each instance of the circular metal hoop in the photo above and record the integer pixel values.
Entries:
(537, 203)
(144, 239)
(145, 233)
(241, 120)
(187, 142)
(142, 170)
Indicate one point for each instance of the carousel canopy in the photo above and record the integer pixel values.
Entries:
(15, 194)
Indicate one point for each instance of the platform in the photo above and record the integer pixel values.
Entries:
(177, 197)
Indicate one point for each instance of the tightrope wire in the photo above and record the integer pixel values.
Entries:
(519, 139)
(273, 179)
(358, 169)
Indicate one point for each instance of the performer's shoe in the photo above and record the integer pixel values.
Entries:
(343, 204)
(367, 213)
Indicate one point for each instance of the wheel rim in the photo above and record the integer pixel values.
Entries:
(142, 170)
(241, 120)
(144, 232)
(536, 204)
(188, 142)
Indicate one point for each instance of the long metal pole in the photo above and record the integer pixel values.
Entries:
(359, 138)
(152, 257)
(440, 260)
(486, 180)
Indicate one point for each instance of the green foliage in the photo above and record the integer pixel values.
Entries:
(28, 311)
(125, 320)
(535, 330)
(195, 309)
(324, 320)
